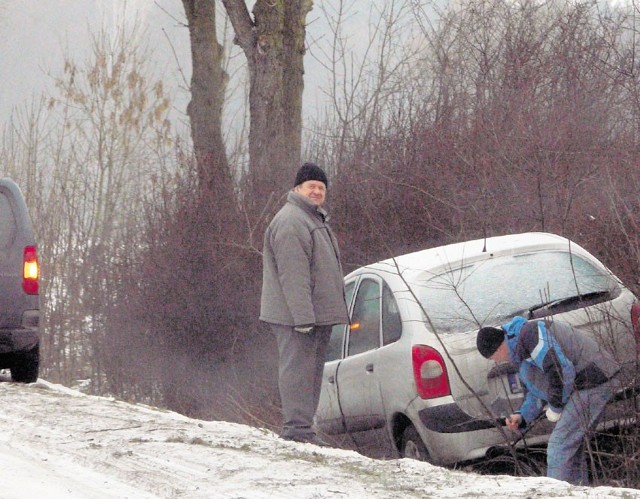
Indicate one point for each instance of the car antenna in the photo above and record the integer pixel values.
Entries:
(484, 231)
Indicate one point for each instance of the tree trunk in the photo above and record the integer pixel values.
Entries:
(273, 43)
(208, 85)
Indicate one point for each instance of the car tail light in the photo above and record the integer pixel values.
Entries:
(635, 322)
(30, 271)
(429, 372)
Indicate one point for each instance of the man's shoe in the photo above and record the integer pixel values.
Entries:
(316, 440)
(307, 439)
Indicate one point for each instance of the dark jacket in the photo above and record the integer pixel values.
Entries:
(302, 275)
(555, 359)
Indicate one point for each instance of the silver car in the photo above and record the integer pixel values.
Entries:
(405, 378)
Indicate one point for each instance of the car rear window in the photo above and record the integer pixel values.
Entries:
(8, 224)
(497, 289)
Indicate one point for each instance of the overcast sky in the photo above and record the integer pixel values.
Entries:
(35, 35)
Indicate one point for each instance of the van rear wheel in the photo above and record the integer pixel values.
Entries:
(25, 366)
(412, 446)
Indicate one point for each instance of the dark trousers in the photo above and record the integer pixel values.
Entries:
(300, 370)
(566, 458)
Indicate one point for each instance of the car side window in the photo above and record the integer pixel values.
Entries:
(391, 321)
(334, 350)
(7, 222)
(364, 334)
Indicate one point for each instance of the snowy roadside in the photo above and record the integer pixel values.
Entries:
(56, 442)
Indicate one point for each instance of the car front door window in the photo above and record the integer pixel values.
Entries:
(365, 320)
(334, 350)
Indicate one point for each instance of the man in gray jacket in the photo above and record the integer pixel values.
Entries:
(302, 298)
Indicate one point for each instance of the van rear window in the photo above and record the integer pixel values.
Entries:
(8, 224)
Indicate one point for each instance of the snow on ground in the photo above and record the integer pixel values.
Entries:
(56, 442)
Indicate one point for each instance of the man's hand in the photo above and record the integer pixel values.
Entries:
(306, 329)
(513, 422)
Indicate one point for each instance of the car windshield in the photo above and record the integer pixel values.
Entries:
(497, 289)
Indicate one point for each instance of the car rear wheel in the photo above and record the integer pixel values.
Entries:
(25, 366)
(412, 446)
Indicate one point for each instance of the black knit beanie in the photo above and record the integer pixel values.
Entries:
(311, 171)
(489, 340)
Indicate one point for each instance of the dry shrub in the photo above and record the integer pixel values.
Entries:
(190, 312)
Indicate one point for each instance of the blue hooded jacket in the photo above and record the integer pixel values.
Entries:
(554, 360)
(547, 373)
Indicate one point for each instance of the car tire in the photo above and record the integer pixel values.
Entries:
(412, 446)
(526, 463)
(25, 366)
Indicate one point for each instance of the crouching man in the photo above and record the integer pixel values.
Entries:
(564, 370)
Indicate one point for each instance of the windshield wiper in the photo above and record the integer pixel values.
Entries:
(569, 300)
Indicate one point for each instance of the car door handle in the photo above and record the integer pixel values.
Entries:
(331, 379)
(369, 368)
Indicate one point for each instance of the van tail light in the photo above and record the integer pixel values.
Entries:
(635, 322)
(30, 271)
(429, 372)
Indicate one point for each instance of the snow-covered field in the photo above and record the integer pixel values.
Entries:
(56, 442)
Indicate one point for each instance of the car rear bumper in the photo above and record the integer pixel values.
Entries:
(18, 340)
(456, 437)
(449, 418)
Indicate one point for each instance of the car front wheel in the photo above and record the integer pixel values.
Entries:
(412, 446)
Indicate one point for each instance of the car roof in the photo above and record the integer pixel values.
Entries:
(479, 249)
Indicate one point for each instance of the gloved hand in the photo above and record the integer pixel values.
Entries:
(305, 329)
(552, 415)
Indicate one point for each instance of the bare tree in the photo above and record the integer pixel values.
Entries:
(272, 38)
(367, 80)
(198, 277)
(208, 86)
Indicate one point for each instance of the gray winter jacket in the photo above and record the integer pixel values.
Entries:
(302, 281)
